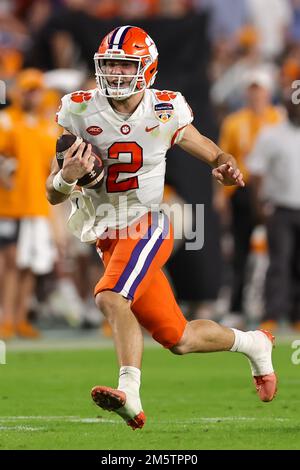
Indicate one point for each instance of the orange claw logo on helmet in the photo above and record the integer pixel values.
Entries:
(127, 43)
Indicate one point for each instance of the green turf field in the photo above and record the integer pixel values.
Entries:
(191, 402)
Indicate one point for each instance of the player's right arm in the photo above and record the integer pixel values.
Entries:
(77, 162)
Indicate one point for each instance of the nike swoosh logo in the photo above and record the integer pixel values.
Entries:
(149, 129)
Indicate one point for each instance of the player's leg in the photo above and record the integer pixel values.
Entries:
(26, 285)
(125, 399)
(167, 329)
(129, 263)
(9, 289)
(126, 330)
(207, 336)
(128, 340)
(159, 313)
(35, 256)
(9, 229)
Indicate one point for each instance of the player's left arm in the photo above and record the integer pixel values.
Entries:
(224, 165)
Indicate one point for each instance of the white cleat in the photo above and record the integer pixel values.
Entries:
(122, 403)
(264, 377)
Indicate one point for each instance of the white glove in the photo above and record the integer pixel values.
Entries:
(82, 218)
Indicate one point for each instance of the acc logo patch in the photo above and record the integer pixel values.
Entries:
(94, 130)
(164, 111)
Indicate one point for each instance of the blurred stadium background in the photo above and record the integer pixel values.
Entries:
(235, 61)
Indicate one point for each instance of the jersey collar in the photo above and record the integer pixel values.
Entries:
(107, 111)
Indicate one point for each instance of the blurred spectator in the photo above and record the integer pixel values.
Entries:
(227, 17)
(65, 80)
(290, 69)
(227, 91)
(271, 19)
(294, 30)
(106, 9)
(35, 13)
(49, 104)
(14, 40)
(238, 135)
(138, 9)
(171, 9)
(222, 58)
(65, 39)
(27, 140)
(225, 52)
(275, 168)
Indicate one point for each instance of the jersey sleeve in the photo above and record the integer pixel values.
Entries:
(184, 115)
(63, 115)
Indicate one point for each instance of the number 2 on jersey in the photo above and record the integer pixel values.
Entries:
(136, 152)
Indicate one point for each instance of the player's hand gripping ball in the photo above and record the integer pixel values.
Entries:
(91, 180)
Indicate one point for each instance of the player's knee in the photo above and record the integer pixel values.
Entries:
(109, 302)
(169, 337)
(181, 347)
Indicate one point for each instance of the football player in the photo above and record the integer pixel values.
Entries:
(133, 126)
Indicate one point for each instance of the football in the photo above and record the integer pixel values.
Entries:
(92, 180)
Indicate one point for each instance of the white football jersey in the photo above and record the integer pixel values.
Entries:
(133, 151)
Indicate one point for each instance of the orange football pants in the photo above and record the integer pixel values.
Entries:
(133, 268)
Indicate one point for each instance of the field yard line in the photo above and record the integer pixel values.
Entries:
(45, 418)
(220, 419)
(21, 428)
(78, 419)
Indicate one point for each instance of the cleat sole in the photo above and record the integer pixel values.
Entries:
(108, 398)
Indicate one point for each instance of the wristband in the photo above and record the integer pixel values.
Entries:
(60, 185)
